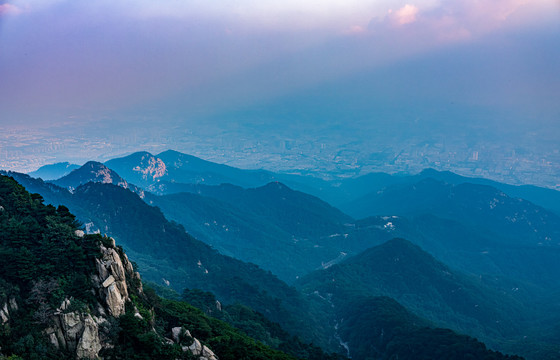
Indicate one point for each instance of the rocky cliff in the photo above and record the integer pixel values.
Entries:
(85, 332)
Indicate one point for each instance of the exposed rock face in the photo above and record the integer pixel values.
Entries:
(89, 344)
(79, 332)
(111, 279)
(151, 167)
(76, 332)
(4, 313)
(9, 306)
(183, 337)
(84, 333)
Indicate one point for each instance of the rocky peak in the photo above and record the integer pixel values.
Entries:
(92, 171)
(151, 167)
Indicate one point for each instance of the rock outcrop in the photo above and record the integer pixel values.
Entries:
(188, 343)
(79, 331)
(76, 332)
(110, 280)
(89, 344)
(6, 309)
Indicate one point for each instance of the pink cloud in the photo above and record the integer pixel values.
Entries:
(452, 20)
(405, 15)
(9, 9)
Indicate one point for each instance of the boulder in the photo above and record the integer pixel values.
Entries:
(115, 301)
(89, 344)
(112, 273)
(196, 347)
(208, 354)
(72, 328)
(4, 314)
(176, 332)
(109, 281)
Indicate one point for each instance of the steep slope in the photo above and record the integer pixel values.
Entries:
(425, 286)
(52, 194)
(54, 171)
(300, 214)
(66, 295)
(232, 232)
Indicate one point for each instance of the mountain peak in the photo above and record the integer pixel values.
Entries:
(92, 171)
(143, 164)
(401, 256)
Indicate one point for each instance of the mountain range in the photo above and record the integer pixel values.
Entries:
(479, 260)
(111, 315)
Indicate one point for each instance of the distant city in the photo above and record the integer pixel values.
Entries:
(327, 152)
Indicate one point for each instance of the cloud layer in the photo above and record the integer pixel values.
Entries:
(62, 56)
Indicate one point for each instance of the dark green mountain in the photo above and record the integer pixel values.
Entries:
(381, 328)
(403, 271)
(510, 220)
(273, 226)
(470, 249)
(233, 232)
(66, 295)
(54, 171)
(166, 253)
(351, 190)
(447, 298)
(166, 247)
(300, 214)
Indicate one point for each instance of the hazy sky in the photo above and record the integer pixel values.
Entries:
(174, 58)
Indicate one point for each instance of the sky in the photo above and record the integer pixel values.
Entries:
(65, 57)
(293, 62)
